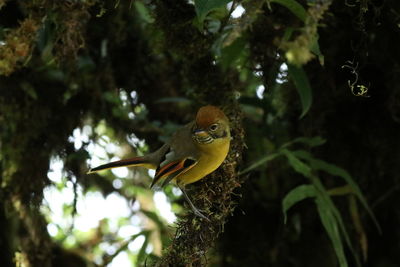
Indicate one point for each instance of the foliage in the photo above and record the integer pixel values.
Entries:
(329, 214)
(87, 82)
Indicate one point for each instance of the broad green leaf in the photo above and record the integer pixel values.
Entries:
(331, 227)
(203, 7)
(321, 193)
(334, 170)
(302, 84)
(304, 169)
(259, 162)
(297, 9)
(297, 164)
(296, 195)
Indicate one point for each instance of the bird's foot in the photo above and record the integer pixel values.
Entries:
(199, 214)
(192, 206)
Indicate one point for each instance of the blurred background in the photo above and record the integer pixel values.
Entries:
(311, 88)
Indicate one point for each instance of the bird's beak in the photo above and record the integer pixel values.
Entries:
(201, 134)
(202, 137)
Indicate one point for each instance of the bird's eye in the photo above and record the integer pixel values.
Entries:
(214, 127)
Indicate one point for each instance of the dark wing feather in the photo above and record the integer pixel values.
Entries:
(136, 161)
(180, 156)
(172, 170)
(187, 165)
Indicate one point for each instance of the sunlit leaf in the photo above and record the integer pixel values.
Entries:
(294, 7)
(142, 252)
(154, 217)
(124, 246)
(296, 195)
(203, 7)
(302, 84)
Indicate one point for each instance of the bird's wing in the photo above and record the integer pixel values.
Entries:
(180, 157)
(173, 170)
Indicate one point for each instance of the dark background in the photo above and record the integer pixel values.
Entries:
(63, 65)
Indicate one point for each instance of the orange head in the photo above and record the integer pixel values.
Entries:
(208, 115)
(211, 123)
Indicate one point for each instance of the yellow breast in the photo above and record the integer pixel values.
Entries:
(211, 157)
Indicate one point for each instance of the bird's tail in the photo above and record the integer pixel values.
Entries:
(136, 161)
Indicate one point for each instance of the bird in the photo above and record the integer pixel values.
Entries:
(194, 151)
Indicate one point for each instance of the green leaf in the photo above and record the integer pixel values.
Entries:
(306, 170)
(213, 25)
(302, 84)
(310, 141)
(142, 252)
(297, 164)
(203, 7)
(297, 9)
(29, 89)
(143, 12)
(296, 195)
(259, 162)
(316, 50)
(287, 34)
(154, 217)
(328, 204)
(331, 227)
(334, 170)
(233, 53)
(303, 168)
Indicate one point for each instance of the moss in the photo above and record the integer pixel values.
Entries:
(70, 20)
(194, 236)
(303, 48)
(17, 46)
